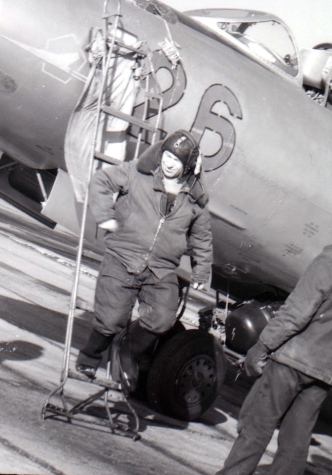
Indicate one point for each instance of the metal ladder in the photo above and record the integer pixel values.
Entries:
(110, 389)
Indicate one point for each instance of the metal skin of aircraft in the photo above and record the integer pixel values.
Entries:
(267, 145)
(265, 137)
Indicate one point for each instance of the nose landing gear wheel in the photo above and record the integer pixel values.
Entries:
(187, 375)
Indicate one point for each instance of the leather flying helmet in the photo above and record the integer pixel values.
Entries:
(185, 147)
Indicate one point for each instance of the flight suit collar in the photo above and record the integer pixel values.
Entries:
(158, 182)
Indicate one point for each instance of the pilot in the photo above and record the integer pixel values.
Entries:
(160, 209)
(296, 347)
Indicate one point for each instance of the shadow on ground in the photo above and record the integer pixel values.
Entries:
(44, 322)
(19, 350)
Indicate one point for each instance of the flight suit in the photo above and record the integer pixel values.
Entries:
(142, 255)
(295, 381)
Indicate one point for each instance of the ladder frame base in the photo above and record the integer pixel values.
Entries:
(112, 393)
(86, 420)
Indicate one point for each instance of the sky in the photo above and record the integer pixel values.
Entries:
(309, 20)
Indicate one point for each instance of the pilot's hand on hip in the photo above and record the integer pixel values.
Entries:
(111, 225)
(198, 286)
(256, 359)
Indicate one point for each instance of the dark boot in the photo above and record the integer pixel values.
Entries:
(90, 356)
(127, 349)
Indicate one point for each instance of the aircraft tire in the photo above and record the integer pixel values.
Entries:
(186, 375)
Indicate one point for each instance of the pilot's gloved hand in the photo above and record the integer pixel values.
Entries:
(198, 286)
(111, 225)
(256, 359)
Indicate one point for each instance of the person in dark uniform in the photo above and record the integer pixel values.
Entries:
(293, 358)
(160, 208)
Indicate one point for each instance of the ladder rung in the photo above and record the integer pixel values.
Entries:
(128, 118)
(105, 158)
(153, 95)
(130, 48)
(109, 15)
(105, 383)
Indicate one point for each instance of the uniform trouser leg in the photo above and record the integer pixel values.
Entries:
(158, 305)
(296, 429)
(116, 294)
(91, 354)
(269, 399)
(114, 300)
(128, 350)
(115, 297)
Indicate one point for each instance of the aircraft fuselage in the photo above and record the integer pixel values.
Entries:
(267, 146)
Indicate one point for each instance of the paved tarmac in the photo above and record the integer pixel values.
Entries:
(37, 267)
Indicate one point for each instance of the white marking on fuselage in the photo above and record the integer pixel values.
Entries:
(62, 61)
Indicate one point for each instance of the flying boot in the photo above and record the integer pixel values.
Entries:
(90, 356)
(127, 349)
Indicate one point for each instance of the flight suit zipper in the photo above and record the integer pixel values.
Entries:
(161, 222)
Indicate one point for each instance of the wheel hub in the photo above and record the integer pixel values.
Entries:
(196, 379)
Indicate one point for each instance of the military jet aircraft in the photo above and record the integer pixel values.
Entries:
(260, 109)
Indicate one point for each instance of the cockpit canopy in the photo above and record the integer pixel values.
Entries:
(262, 36)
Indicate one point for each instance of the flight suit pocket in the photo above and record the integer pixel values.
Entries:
(112, 267)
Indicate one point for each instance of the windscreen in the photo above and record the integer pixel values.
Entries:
(268, 40)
